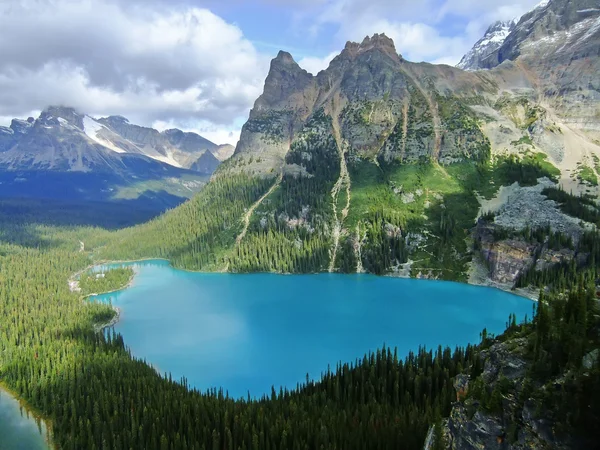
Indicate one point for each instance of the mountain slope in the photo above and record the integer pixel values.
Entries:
(174, 147)
(491, 41)
(206, 164)
(70, 156)
(381, 165)
(84, 137)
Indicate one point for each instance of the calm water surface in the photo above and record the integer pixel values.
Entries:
(246, 333)
(18, 429)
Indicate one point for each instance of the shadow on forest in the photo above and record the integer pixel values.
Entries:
(20, 217)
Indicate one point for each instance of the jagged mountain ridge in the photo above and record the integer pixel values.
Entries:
(390, 115)
(493, 38)
(64, 139)
(70, 156)
(423, 110)
(552, 26)
(366, 75)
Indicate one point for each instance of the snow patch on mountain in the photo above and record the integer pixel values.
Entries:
(91, 129)
(493, 38)
(168, 158)
(542, 4)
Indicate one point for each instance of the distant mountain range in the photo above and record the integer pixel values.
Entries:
(66, 154)
(64, 139)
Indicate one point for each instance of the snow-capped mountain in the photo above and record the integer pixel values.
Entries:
(62, 138)
(491, 41)
(68, 155)
(486, 53)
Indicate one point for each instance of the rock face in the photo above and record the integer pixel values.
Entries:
(508, 259)
(514, 423)
(488, 45)
(382, 106)
(557, 45)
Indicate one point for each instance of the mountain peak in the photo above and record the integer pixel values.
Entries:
(379, 42)
(117, 119)
(59, 110)
(285, 75)
(21, 126)
(285, 57)
(52, 114)
(491, 41)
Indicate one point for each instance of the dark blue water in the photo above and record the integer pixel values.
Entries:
(18, 429)
(250, 332)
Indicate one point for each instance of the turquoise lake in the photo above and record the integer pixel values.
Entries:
(18, 429)
(247, 333)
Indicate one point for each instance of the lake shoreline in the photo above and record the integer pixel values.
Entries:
(34, 412)
(116, 317)
(226, 310)
(529, 294)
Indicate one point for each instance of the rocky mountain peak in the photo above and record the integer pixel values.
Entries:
(57, 115)
(21, 126)
(285, 76)
(117, 119)
(379, 42)
(285, 58)
(491, 41)
(549, 28)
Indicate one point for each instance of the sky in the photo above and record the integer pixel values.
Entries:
(199, 65)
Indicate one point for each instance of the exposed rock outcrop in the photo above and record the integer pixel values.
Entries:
(514, 423)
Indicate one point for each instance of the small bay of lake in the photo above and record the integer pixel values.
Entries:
(247, 333)
(19, 430)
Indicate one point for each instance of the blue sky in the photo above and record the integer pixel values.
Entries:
(200, 64)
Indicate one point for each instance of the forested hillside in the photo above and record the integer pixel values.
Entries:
(377, 165)
(96, 395)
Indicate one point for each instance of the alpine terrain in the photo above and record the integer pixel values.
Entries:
(486, 173)
(382, 165)
(66, 155)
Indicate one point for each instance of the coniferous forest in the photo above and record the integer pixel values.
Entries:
(96, 395)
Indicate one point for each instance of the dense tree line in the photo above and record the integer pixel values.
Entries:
(583, 207)
(586, 257)
(105, 281)
(97, 396)
(291, 230)
(197, 234)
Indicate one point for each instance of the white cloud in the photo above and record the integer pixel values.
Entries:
(217, 134)
(438, 31)
(143, 62)
(314, 64)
